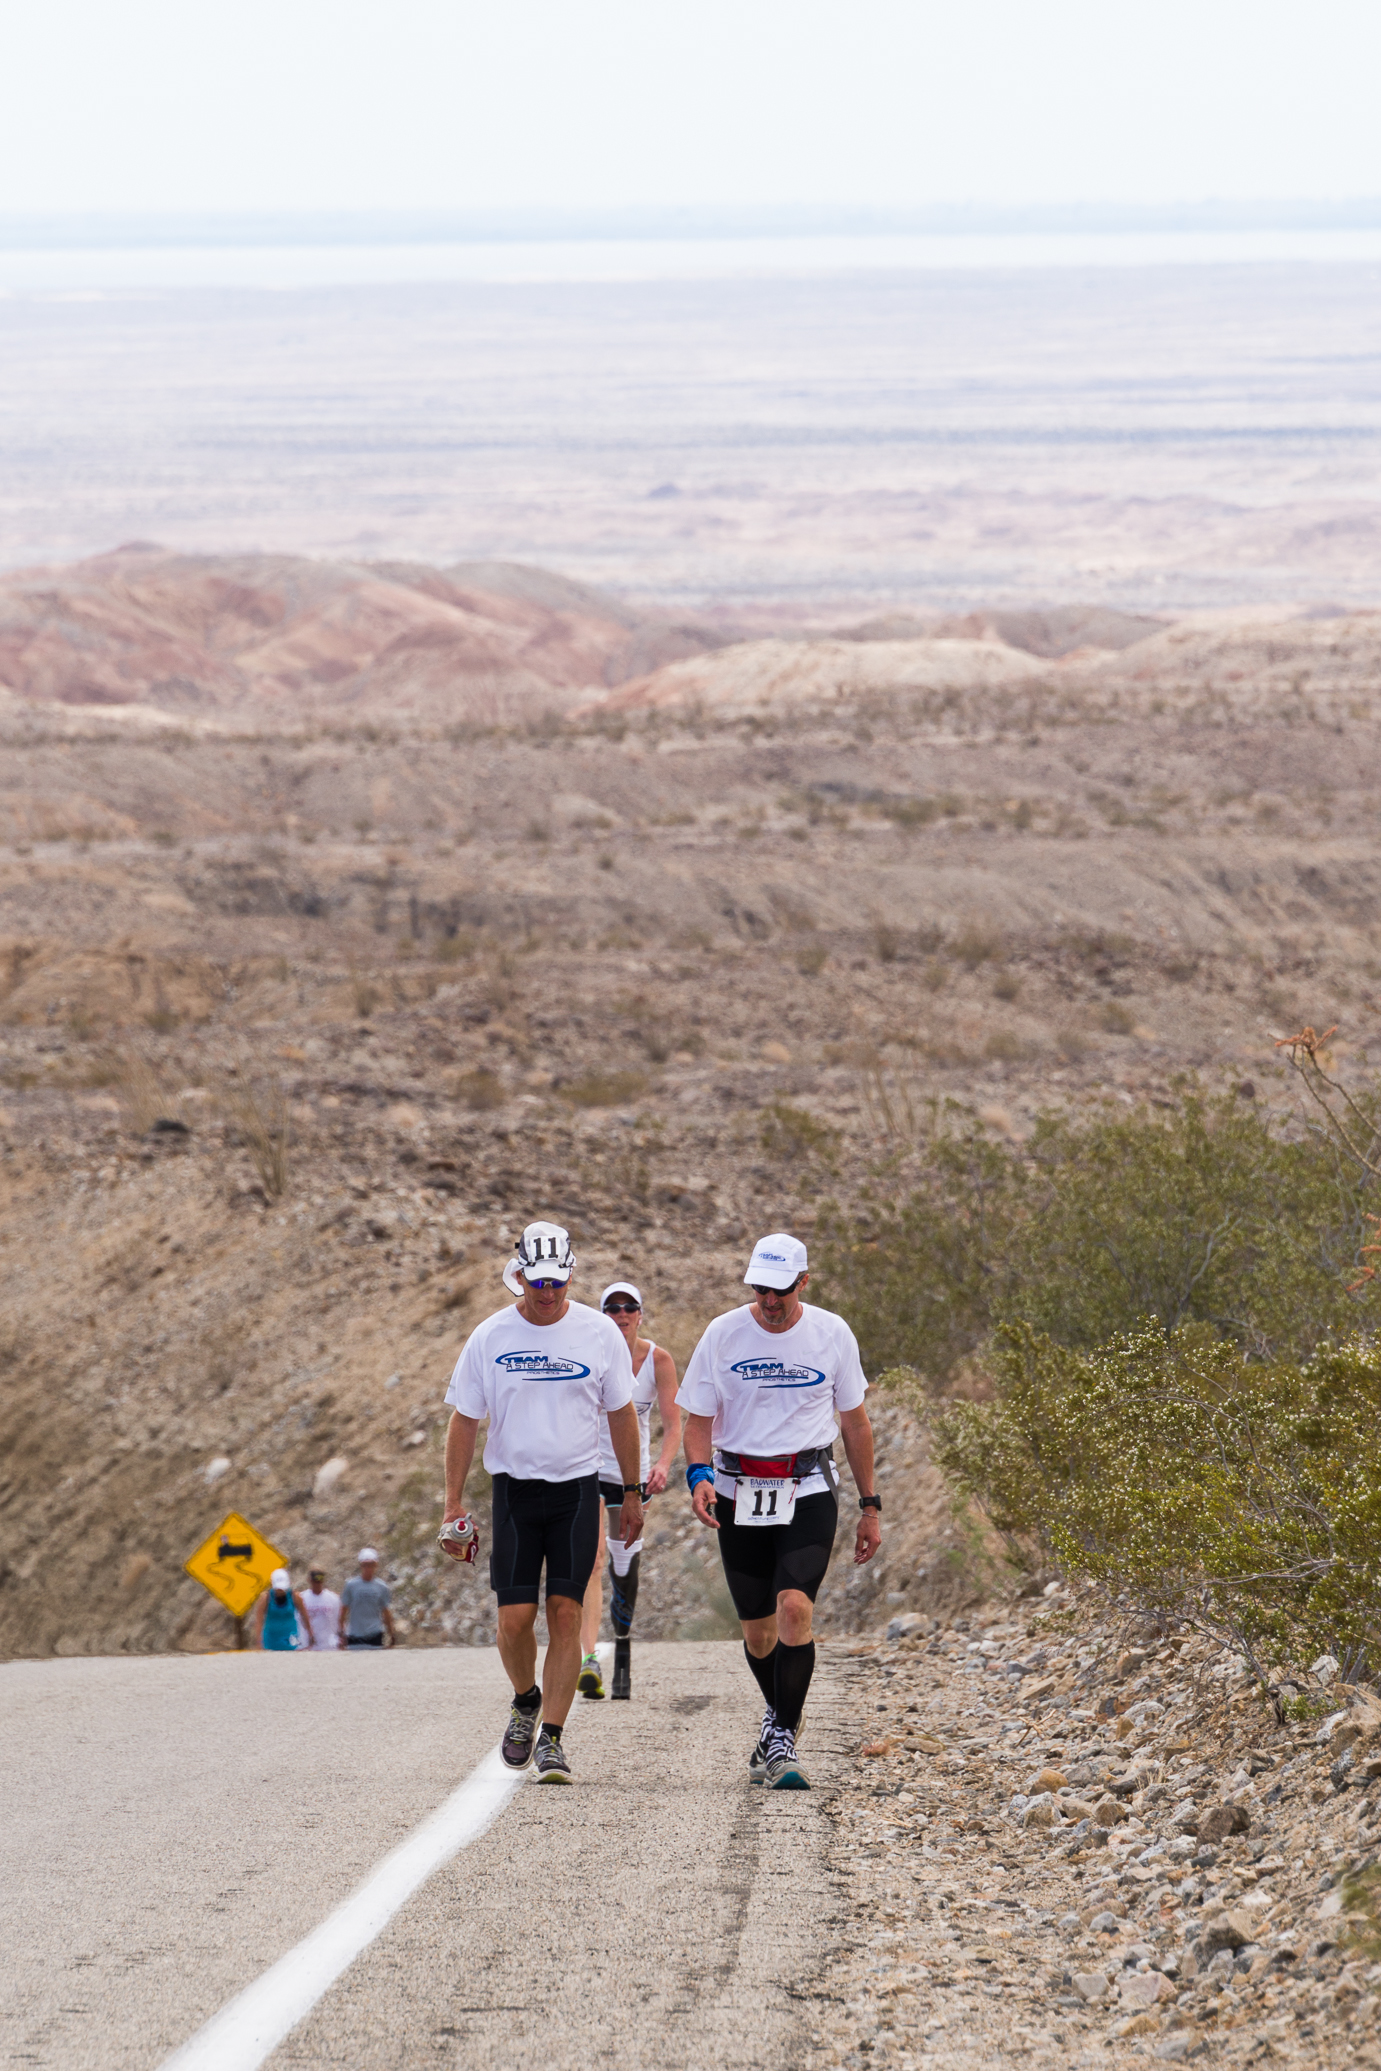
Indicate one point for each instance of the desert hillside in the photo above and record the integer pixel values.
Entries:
(314, 988)
(278, 638)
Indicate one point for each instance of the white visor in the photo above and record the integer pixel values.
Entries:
(620, 1287)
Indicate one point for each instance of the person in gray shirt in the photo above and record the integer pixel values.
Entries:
(365, 1616)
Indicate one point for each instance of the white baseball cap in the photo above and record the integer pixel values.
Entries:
(620, 1287)
(543, 1252)
(279, 1579)
(366, 1553)
(777, 1261)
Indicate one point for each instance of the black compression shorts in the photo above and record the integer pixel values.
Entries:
(612, 1492)
(556, 1522)
(762, 1560)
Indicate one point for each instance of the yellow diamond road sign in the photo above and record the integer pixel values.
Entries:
(235, 1564)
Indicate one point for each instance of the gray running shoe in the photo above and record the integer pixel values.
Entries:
(784, 1772)
(516, 1747)
(590, 1682)
(757, 1761)
(552, 1765)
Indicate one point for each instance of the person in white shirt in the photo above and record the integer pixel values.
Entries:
(654, 1380)
(322, 1606)
(761, 1394)
(547, 1373)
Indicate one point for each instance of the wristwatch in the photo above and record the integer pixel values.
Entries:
(870, 1503)
(636, 1488)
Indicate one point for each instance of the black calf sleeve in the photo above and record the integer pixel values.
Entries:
(795, 1666)
(623, 1597)
(764, 1668)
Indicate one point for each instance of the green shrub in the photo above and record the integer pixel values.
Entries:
(794, 1133)
(1243, 1499)
(1209, 1212)
(604, 1088)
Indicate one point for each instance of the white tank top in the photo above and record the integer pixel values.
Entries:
(644, 1395)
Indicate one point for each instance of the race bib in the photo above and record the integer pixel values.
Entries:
(765, 1502)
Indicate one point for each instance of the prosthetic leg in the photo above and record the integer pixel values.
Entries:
(624, 1563)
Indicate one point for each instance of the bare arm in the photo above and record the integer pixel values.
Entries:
(304, 1623)
(857, 1434)
(387, 1616)
(664, 1369)
(460, 1453)
(700, 1453)
(627, 1443)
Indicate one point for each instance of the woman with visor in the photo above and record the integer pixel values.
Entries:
(654, 1379)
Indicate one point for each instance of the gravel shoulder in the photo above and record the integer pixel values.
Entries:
(1076, 1850)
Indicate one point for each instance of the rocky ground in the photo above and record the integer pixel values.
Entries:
(1076, 1842)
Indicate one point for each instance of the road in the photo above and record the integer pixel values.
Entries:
(176, 1826)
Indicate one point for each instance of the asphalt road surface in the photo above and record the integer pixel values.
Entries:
(174, 1827)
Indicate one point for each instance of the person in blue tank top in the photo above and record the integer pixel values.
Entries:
(280, 1622)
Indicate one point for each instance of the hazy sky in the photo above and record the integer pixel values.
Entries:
(322, 104)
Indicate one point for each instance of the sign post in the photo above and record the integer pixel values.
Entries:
(235, 1563)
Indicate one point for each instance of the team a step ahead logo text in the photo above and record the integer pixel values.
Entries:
(771, 1373)
(540, 1366)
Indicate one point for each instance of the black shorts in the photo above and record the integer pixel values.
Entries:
(761, 1560)
(536, 1521)
(612, 1493)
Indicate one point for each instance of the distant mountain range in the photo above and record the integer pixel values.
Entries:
(556, 225)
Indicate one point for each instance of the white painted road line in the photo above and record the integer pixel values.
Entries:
(250, 2026)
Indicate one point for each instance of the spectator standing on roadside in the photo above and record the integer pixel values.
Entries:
(365, 1616)
(280, 1623)
(322, 1608)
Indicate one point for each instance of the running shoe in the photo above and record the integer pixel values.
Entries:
(590, 1682)
(784, 1771)
(757, 1761)
(516, 1747)
(622, 1684)
(552, 1765)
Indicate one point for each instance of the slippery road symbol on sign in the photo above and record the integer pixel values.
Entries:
(234, 1563)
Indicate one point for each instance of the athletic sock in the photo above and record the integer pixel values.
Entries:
(764, 1667)
(795, 1667)
(623, 1596)
(549, 1732)
(529, 1700)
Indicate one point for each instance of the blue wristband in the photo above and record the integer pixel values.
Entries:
(696, 1474)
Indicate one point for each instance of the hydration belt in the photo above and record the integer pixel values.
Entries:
(781, 1466)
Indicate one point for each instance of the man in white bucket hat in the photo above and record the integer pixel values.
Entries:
(548, 1373)
(762, 1392)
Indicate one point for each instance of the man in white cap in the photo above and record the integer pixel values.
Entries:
(365, 1616)
(761, 1393)
(547, 1373)
(654, 1380)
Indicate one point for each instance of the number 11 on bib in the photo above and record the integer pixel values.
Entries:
(765, 1502)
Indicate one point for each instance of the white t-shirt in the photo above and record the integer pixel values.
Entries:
(323, 1615)
(546, 1389)
(644, 1395)
(774, 1391)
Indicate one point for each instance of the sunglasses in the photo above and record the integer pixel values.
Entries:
(781, 1291)
(544, 1286)
(621, 1309)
